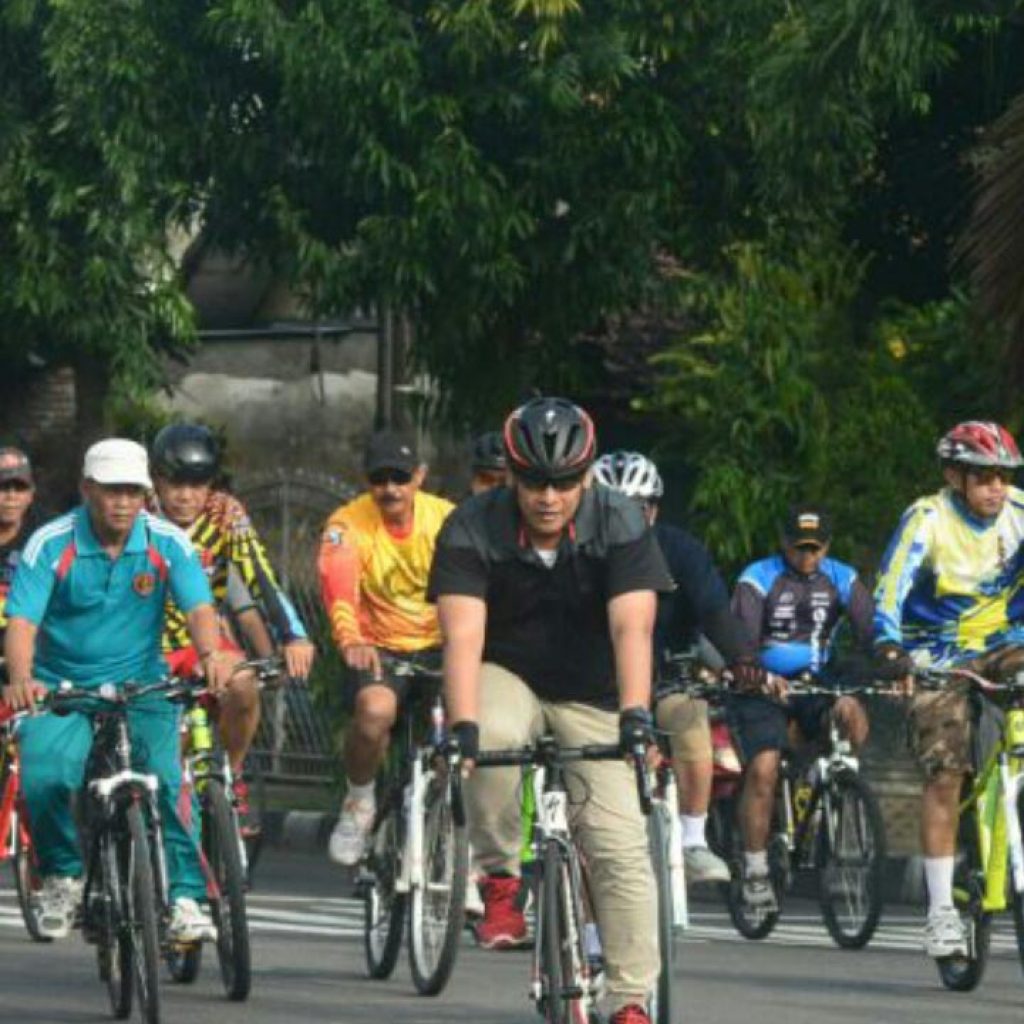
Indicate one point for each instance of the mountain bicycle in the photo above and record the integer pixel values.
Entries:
(417, 858)
(825, 820)
(564, 985)
(207, 774)
(990, 855)
(15, 837)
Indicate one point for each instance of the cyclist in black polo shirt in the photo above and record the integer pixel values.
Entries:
(699, 603)
(546, 597)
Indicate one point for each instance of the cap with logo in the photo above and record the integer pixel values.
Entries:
(15, 465)
(386, 450)
(117, 461)
(807, 524)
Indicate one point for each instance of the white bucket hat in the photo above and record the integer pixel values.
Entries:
(117, 461)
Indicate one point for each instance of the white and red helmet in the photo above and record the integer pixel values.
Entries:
(980, 443)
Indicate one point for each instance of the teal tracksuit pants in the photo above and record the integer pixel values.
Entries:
(53, 751)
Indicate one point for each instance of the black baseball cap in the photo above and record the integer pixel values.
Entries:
(386, 450)
(15, 465)
(807, 524)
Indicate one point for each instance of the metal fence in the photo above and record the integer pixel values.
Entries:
(296, 738)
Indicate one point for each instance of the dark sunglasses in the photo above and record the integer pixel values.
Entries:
(810, 547)
(383, 477)
(536, 483)
(15, 485)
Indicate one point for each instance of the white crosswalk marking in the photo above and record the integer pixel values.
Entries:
(342, 918)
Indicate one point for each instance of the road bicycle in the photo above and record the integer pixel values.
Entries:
(15, 837)
(413, 876)
(827, 820)
(989, 869)
(207, 774)
(565, 986)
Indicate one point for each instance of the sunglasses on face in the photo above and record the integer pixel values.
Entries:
(541, 484)
(15, 485)
(809, 548)
(383, 477)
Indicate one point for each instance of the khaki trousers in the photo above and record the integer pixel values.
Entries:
(604, 815)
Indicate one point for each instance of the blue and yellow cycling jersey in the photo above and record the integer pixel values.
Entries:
(950, 583)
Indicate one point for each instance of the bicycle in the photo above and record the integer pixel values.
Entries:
(124, 898)
(15, 837)
(564, 986)
(826, 820)
(417, 857)
(989, 836)
(207, 774)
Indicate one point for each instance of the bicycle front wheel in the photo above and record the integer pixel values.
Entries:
(851, 845)
(138, 937)
(383, 905)
(230, 917)
(26, 879)
(438, 906)
(1018, 897)
(560, 931)
(660, 836)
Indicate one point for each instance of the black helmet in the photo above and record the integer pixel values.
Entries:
(549, 439)
(185, 452)
(489, 452)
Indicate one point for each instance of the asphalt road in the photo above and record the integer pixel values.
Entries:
(309, 967)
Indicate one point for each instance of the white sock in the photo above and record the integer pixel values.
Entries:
(364, 793)
(938, 873)
(693, 829)
(756, 863)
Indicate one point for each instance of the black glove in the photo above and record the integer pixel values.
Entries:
(636, 729)
(892, 662)
(748, 674)
(464, 738)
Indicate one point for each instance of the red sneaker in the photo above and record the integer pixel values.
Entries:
(632, 1014)
(503, 926)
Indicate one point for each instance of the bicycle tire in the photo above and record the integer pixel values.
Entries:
(141, 937)
(963, 974)
(558, 956)
(441, 836)
(383, 907)
(184, 963)
(660, 836)
(113, 956)
(1018, 898)
(26, 879)
(853, 806)
(750, 923)
(228, 908)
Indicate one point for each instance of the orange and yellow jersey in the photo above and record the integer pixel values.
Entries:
(374, 581)
(224, 536)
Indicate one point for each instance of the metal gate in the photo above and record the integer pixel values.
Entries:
(296, 738)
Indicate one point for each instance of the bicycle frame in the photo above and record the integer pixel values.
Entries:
(12, 823)
(666, 794)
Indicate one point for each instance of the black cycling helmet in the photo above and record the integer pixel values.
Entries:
(185, 452)
(489, 452)
(549, 439)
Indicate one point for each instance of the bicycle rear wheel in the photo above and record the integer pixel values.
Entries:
(962, 974)
(383, 905)
(660, 836)
(751, 922)
(1018, 897)
(851, 840)
(230, 917)
(437, 909)
(138, 937)
(26, 878)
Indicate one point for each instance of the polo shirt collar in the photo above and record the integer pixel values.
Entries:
(87, 543)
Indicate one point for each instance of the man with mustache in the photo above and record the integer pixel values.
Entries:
(374, 562)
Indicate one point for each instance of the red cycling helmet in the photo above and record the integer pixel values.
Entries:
(980, 443)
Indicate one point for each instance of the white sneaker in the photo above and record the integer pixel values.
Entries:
(758, 893)
(348, 839)
(701, 865)
(56, 905)
(944, 934)
(189, 922)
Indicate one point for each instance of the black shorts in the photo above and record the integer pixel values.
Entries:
(356, 679)
(760, 724)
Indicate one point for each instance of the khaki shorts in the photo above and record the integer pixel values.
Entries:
(686, 721)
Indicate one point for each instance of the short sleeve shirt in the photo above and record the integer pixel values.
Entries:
(549, 626)
(100, 619)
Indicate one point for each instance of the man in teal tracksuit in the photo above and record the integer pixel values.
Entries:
(87, 606)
